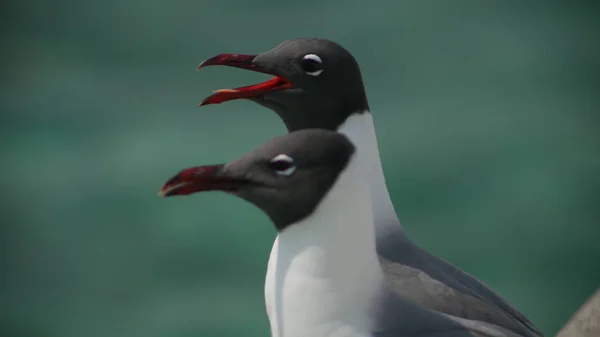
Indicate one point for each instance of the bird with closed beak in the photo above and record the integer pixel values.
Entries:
(324, 278)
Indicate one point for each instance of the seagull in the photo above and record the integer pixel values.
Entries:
(324, 278)
(318, 84)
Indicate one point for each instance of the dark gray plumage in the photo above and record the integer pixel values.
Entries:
(316, 156)
(286, 177)
(327, 98)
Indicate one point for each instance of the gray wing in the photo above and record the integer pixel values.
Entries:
(397, 316)
(439, 285)
(483, 292)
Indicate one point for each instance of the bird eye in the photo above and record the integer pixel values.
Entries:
(282, 165)
(312, 64)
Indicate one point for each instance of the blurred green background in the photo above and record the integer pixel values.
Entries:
(486, 113)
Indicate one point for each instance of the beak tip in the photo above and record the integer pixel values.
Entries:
(204, 63)
(207, 101)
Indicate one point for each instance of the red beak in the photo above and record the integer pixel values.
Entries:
(199, 179)
(242, 62)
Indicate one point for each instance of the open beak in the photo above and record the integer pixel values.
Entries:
(242, 62)
(200, 179)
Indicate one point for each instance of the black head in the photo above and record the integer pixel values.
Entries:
(286, 178)
(317, 83)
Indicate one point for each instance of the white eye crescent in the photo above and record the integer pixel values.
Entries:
(283, 165)
(312, 64)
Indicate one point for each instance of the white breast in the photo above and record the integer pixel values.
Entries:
(360, 129)
(323, 272)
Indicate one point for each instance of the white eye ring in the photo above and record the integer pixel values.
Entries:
(306, 66)
(283, 165)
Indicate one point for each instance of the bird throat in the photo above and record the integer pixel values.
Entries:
(323, 273)
(360, 129)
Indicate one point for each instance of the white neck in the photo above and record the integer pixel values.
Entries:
(359, 128)
(323, 272)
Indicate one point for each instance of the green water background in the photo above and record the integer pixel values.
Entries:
(486, 114)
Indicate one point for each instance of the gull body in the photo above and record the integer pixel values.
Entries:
(324, 274)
